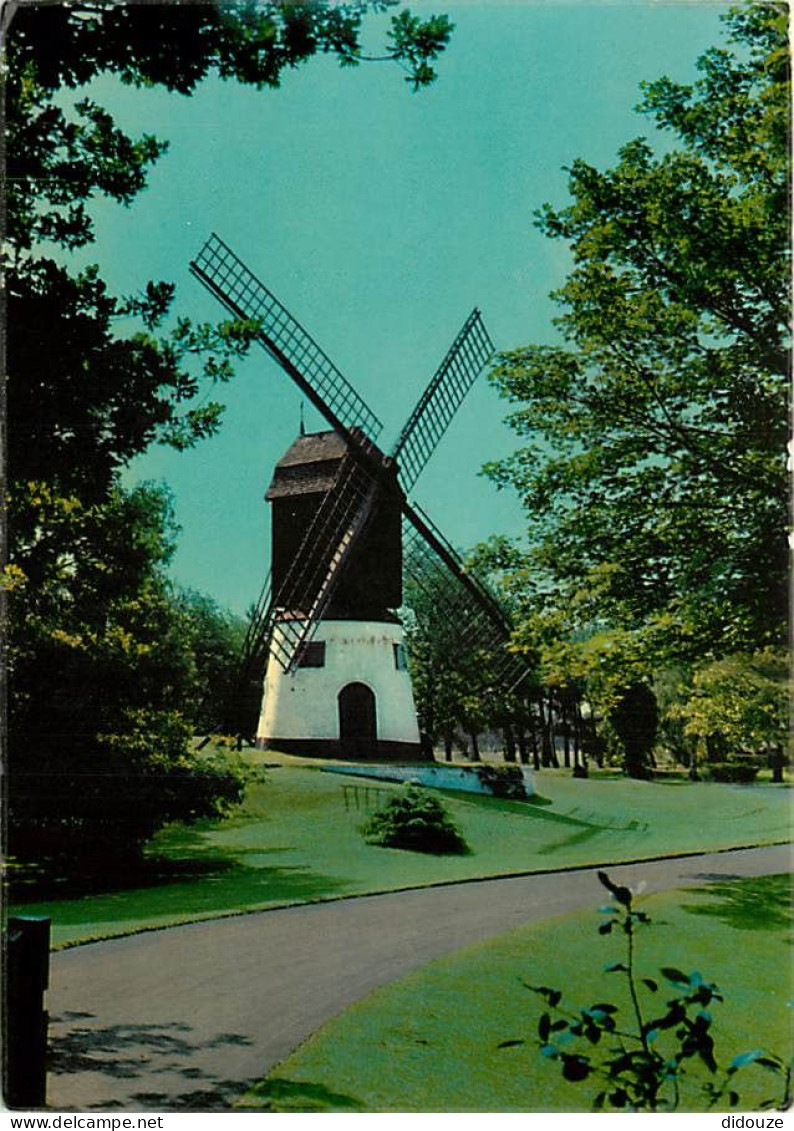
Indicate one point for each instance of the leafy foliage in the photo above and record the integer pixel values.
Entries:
(742, 697)
(454, 675)
(646, 1058)
(103, 680)
(417, 821)
(652, 465)
(251, 44)
(736, 771)
(215, 638)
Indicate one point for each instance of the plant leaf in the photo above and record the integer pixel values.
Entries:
(621, 894)
(674, 975)
(746, 1058)
(769, 1062)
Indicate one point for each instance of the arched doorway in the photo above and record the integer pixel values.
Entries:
(358, 728)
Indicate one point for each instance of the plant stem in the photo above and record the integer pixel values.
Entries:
(632, 987)
(652, 1089)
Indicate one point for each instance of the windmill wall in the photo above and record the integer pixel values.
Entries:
(302, 711)
(370, 585)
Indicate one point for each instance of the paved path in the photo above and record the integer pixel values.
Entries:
(183, 1019)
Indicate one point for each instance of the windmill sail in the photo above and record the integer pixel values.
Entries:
(472, 614)
(245, 296)
(441, 399)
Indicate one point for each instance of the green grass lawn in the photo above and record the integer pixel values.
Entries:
(295, 840)
(430, 1041)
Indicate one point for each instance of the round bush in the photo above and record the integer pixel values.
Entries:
(414, 820)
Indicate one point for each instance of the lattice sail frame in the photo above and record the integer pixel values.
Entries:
(442, 398)
(226, 276)
(310, 583)
(472, 614)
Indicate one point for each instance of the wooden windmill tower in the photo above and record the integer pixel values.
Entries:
(325, 641)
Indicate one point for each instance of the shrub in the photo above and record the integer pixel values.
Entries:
(732, 771)
(503, 781)
(414, 820)
(112, 791)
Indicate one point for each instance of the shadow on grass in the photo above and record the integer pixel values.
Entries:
(534, 807)
(528, 807)
(236, 889)
(192, 877)
(59, 878)
(580, 837)
(278, 1095)
(31, 885)
(760, 904)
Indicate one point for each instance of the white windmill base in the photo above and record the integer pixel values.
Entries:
(358, 705)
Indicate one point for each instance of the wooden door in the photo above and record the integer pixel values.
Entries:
(358, 728)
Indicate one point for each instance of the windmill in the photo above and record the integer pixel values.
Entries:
(324, 639)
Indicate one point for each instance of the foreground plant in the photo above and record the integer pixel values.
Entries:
(647, 1056)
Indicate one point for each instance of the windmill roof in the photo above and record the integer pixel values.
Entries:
(308, 466)
(314, 448)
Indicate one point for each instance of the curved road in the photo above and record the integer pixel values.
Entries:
(184, 1019)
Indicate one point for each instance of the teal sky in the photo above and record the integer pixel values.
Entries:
(380, 218)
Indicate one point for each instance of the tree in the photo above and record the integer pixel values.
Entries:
(101, 657)
(215, 638)
(415, 820)
(143, 388)
(739, 705)
(652, 464)
(455, 675)
(634, 719)
(102, 684)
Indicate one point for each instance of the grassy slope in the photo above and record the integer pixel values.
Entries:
(295, 841)
(429, 1042)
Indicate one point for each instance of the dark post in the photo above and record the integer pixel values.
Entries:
(27, 965)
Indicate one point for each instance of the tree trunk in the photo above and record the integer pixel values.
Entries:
(577, 718)
(778, 761)
(448, 747)
(549, 746)
(715, 748)
(510, 744)
(534, 724)
(475, 748)
(521, 738)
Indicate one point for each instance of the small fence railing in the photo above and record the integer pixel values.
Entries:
(365, 797)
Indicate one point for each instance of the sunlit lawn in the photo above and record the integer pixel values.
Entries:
(296, 840)
(430, 1041)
